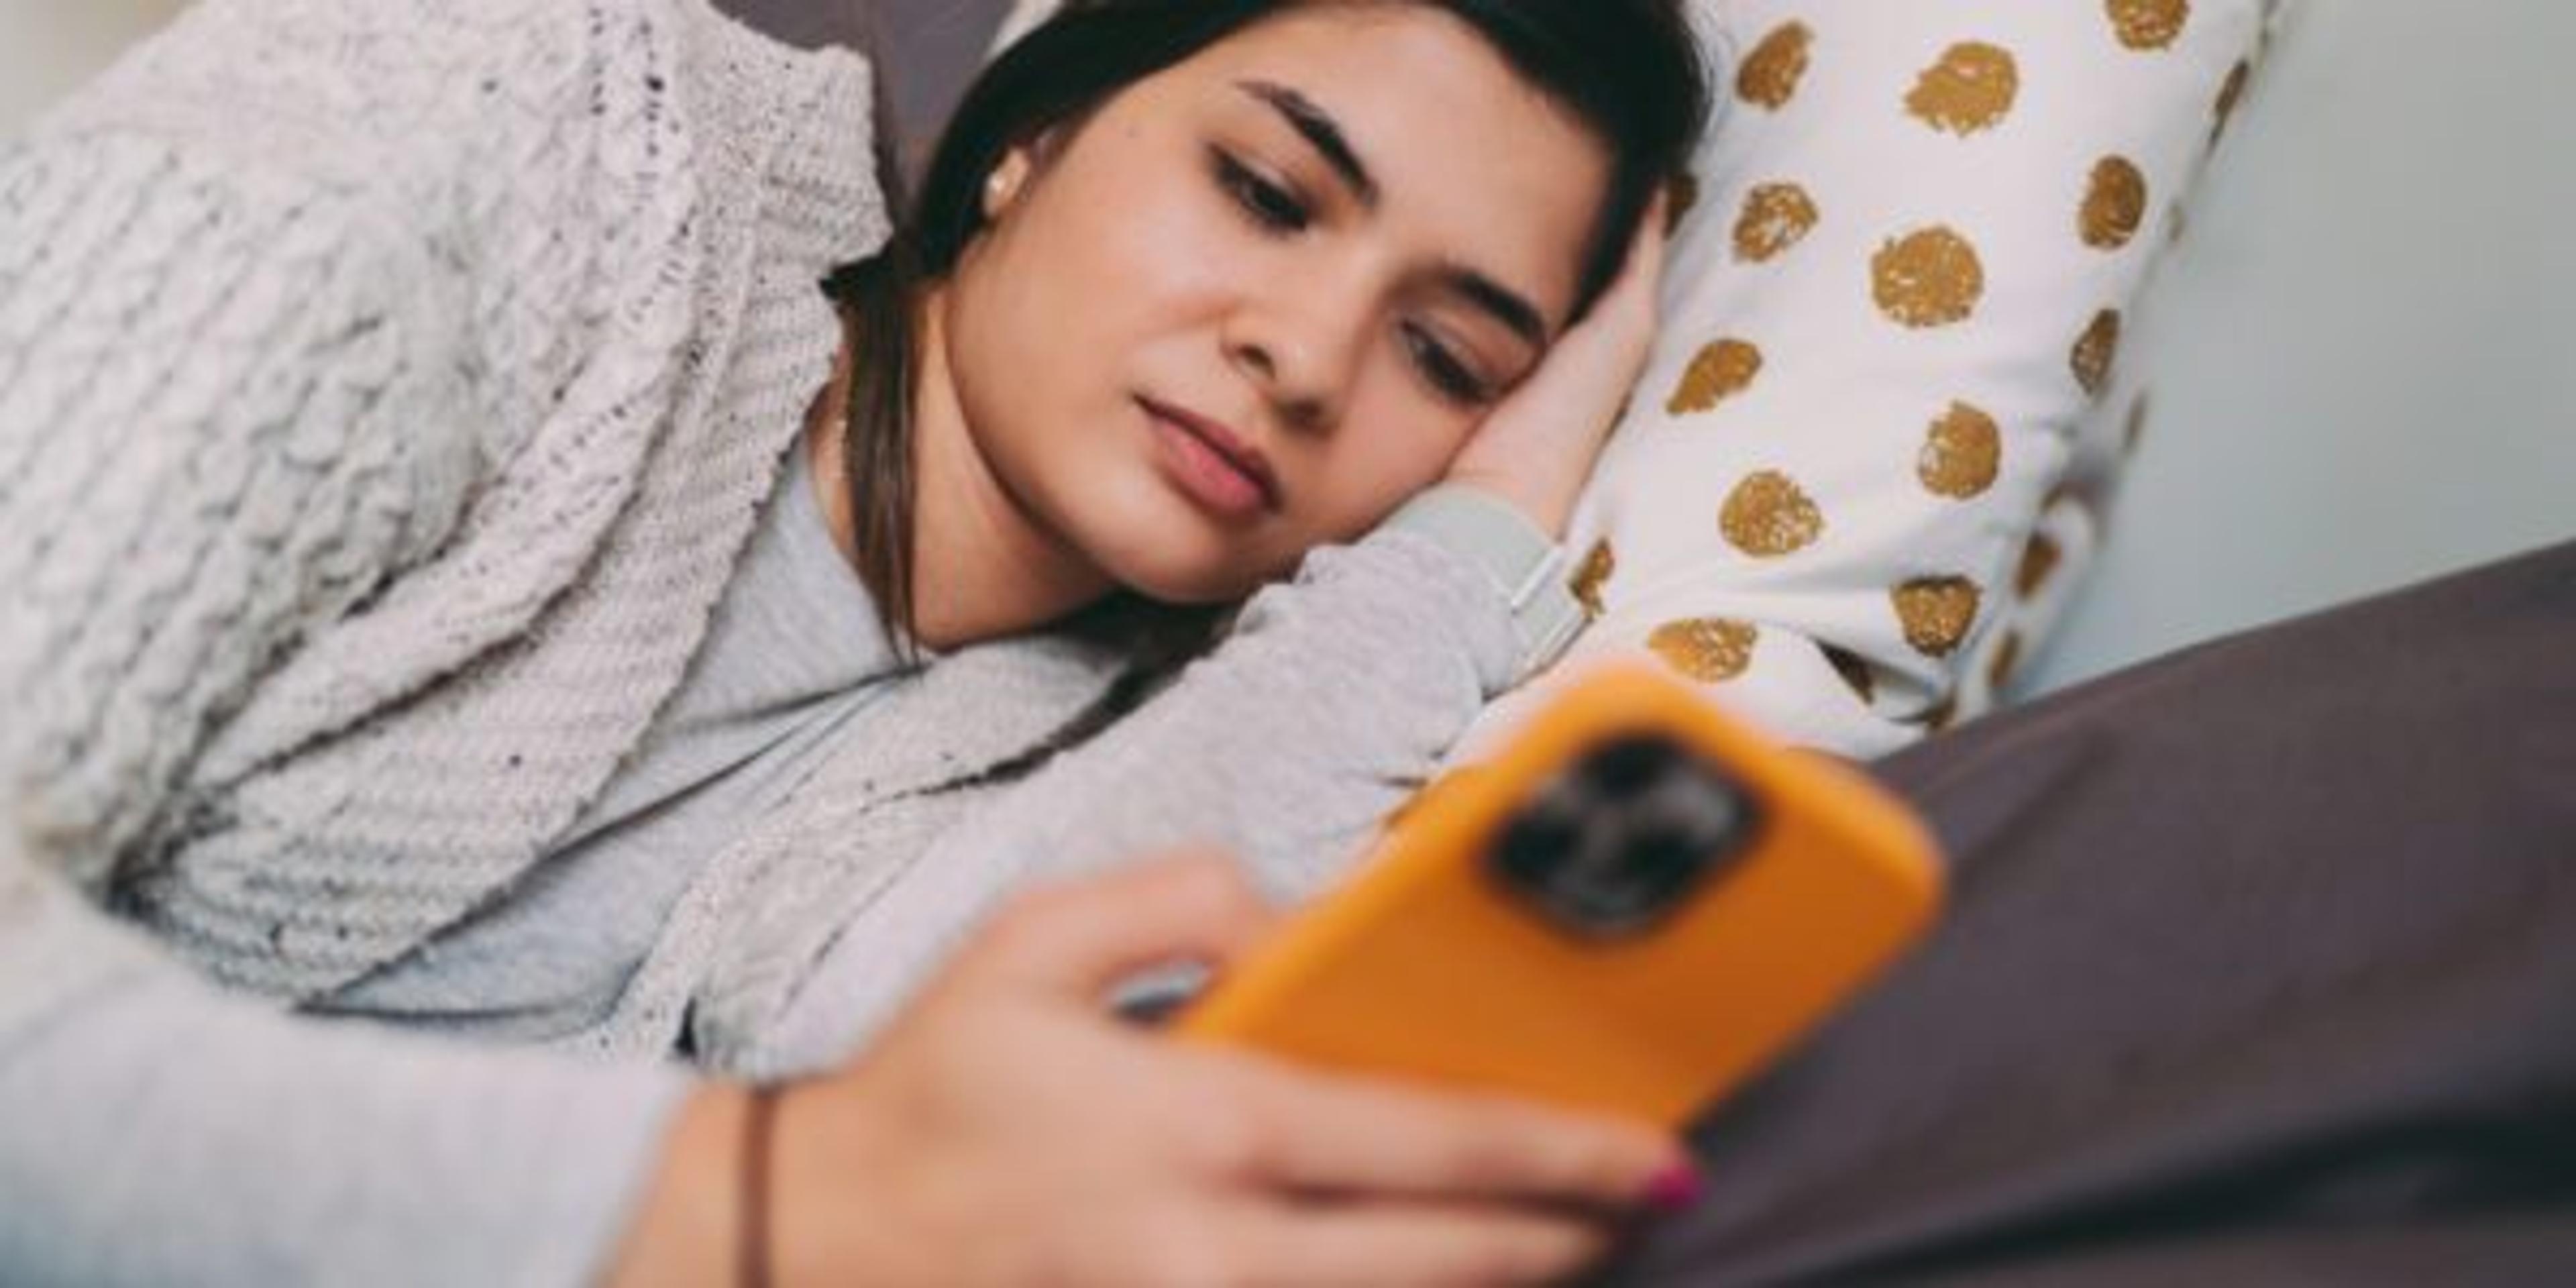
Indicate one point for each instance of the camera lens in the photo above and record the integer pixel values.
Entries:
(1538, 844)
(1618, 841)
(1663, 859)
(1630, 767)
(1604, 907)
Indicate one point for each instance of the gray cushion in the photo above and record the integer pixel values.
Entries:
(925, 51)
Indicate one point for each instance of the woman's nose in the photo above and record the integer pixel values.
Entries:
(1301, 347)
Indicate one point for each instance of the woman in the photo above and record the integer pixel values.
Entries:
(432, 491)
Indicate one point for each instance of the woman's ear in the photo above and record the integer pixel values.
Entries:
(1009, 178)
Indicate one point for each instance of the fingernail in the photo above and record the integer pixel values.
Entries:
(1676, 1188)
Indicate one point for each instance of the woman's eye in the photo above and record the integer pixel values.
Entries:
(1454, 379)
(1270, 205)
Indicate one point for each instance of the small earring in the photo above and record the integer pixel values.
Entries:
(1002, 186)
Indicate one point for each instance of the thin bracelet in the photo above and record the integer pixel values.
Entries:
(758, 1117)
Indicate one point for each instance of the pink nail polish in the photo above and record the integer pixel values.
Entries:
(1676, 1188)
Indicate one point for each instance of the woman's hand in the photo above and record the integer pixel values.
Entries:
(1008, 1130)
(1539, 446)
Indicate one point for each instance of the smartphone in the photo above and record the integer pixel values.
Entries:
(1632, 908)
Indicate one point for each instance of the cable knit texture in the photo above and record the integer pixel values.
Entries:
(386, 387)
(388, 390)
(372, 622)
(391, 390)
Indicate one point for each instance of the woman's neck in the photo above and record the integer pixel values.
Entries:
(982, 566)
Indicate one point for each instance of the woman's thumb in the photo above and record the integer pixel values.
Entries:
(1082, 936)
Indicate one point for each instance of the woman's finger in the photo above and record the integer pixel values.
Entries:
(1319, 1131)
(1079, 938)
(1621, 326)
(1654, 231)
(1643, 269)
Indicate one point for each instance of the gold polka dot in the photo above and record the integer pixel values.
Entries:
(1936, 613)
(2115, 203)
(1681, 199)
(1972, 88)
(1719, 372)
(1776, 217)
(2137, 429)
(1595, 573)
(1769, 515)
(2095, 352)
(2038, 560)
(1930, 277)
(2148, 24)
(2007, 660)
(1855, 672)
(1770, 74)
(1706, 649)
(2230, 94)
(1962, 453)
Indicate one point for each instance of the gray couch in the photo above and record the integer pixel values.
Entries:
(926, 50)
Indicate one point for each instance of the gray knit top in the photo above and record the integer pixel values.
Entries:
(795, 658)
(388, 393)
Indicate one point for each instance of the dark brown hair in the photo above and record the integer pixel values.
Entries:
(1628, 70)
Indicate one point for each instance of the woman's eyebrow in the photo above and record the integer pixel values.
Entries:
(1504, 304)
(1319, 129)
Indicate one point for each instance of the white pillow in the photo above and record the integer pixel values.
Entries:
(1872, 447)
(1871, 451)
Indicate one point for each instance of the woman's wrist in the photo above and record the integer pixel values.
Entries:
(755, 1173)
(1522, 562)
(1548, 507)
(689, 1225)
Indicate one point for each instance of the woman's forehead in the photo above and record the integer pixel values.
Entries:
(1395, 59)
(1445, 128)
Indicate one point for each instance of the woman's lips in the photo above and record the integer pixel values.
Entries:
(1209, 463)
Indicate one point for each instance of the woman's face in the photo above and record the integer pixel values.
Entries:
(1254, 302)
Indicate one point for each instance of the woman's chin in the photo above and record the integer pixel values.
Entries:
(1177, 570)
(1190, 587)
(1155, 543)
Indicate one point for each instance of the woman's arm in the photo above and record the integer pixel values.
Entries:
(1331, 701)
(218, 427)
(155, 1131)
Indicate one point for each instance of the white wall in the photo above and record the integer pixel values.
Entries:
(2364, 359)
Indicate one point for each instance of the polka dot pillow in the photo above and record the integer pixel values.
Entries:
(1870, 452)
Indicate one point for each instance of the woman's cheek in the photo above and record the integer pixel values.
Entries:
(1422, 434)
(1388, 468)
(1178, 243)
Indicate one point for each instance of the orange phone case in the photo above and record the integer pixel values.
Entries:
(1428, 964)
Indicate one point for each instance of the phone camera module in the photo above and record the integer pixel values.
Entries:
(1630, 767)
(1613, 844)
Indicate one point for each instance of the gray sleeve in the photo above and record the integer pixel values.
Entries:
(154, 1131)
(1331, 702)
(212, 436)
